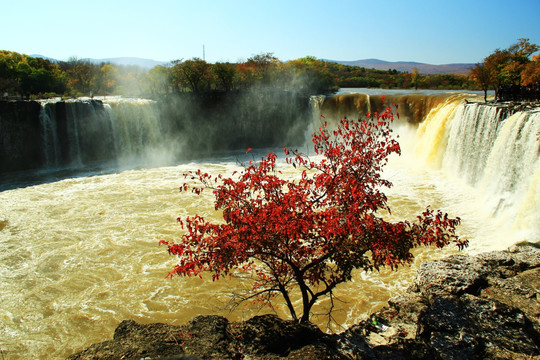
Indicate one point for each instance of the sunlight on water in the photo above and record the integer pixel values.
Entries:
(81, 255)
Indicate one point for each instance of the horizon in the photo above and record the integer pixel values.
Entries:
(346, 30)
(380, 61)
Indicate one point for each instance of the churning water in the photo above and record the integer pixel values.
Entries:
(79, 255)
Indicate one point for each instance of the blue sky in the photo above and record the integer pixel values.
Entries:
(431, 31)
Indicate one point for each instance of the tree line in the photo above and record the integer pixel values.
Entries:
(30, 77)
(514, 73)
(25, 76)
(504, 71)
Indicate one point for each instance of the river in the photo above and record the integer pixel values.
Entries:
(79, 252)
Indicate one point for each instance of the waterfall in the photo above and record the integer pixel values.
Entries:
(49, 136)
(82, 132)
(137, 132)
(492, 150)
(115, 132)
(413, 108)
(74, 115)
(512, 170)
(472, 133)
(431, 139)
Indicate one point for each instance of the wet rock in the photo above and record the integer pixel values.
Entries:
(456, 275)
(207, 337)
(269, 334)
(136, 341)
(466, 307)
(213, 337)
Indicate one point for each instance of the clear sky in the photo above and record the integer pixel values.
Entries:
(427, 31)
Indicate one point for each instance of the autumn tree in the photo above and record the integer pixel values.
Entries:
(79, 73)
(305, 236)
(415, 78)
(263, 67)
(483, 75)
(309, 74)
(531, 72)
(520, 54)
(508, 67)
(104, 79)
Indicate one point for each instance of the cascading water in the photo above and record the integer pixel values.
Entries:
(49, 136)
(494, 151)
(137, 132)
(76, 133)
(78, 256)
(512, 172)
(489, 149)
(473, 130)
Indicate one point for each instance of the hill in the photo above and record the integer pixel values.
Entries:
(408, 66)
(126, 61)
(402, 66)
(144, 63)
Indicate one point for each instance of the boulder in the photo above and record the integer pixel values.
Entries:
(465, 307)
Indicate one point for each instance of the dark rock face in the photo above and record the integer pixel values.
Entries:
(213, 337)
(481, 307)
(20, 136)
(34, 136)
(83, 132)
(135, 341)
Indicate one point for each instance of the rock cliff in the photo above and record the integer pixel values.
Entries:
(20, 135)
(461, 307)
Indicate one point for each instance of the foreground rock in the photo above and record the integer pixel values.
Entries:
(482, 307)
(461, 307)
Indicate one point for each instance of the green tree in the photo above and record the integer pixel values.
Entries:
(23, 71)
(194, 74)
(8, 77)
(104, 79)
(157, 80)
(225, 75)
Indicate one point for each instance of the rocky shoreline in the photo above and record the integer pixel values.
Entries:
(461, 307)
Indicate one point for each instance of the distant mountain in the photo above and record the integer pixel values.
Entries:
(134, 61)
(403, 66)
(44, 57)
(144, 63)
(408, 66)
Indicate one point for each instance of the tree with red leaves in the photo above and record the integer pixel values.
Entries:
(304, 236)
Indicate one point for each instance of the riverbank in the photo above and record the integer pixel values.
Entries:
(461, 307)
